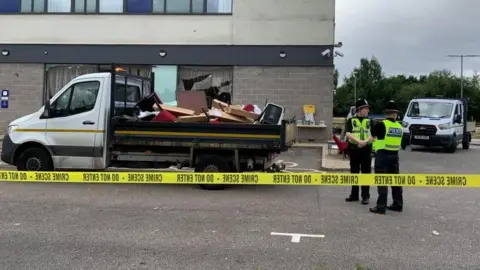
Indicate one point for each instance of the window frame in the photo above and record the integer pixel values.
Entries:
(32, 8)
(97, 7)
(72, 89)
(124, 12)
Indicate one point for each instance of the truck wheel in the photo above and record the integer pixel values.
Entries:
(466, 142)
(34, 159)
(452, 147)
(212, 164)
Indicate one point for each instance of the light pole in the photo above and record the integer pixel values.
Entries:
(355, 89)
(461, 56)
(355, 73)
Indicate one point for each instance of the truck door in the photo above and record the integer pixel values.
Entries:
(459, 126)
(72, 124)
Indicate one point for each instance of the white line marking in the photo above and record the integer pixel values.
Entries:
(288, 164)
(296, 236)
(304, 170)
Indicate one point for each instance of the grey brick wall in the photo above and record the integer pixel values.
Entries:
(25, 82)
(291, 87)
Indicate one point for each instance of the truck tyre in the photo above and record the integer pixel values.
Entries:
(34, 159)
(212, 164)
(466, 142)
(453, 145)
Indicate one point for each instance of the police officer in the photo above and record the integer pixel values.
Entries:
(358, 133)
(388, 139)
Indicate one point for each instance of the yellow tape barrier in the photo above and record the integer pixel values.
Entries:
(296, 179)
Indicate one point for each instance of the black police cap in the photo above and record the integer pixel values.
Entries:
(391, 106)
(361, 103)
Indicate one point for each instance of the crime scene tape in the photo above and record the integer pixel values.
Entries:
(254, 178)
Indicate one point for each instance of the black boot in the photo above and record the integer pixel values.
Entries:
(395, 207)
(378, 210)
(351, 199)
(365, 201)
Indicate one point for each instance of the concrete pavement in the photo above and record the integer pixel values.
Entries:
(52, 226)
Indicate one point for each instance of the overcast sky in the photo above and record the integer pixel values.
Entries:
(408, 36)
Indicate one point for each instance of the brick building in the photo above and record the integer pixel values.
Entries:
(266, 49)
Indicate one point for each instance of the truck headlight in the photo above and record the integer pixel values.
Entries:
(404, 124)
(11, 128)
(445, 126)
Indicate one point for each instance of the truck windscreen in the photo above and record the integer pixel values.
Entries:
(430, 109)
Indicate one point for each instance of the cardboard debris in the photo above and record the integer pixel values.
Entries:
(234, 110)
(175, 110)
(221, 111)
(192, 119)
(217, 104)
(239, 112)
(193, 100)
(225, 117)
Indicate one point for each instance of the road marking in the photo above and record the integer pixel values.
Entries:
(296, 236)
(288, 164)
(297, 170)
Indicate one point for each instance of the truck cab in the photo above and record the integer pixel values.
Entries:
(437, 122)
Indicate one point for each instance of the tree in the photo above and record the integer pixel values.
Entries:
(368, 80)
(371, 83)
(335, 79)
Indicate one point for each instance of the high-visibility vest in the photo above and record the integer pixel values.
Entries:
(375, 145)
(393, 137)
(360, 130)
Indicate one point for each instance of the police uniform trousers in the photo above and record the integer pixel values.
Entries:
(360, 161)
(387, 163)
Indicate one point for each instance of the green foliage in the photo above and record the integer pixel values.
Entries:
(378, 89)
(335, 79)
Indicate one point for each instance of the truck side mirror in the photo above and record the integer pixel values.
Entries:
(458, 119)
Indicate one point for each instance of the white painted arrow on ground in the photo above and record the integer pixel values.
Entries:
(296, 236)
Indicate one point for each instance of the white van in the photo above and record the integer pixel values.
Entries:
(437, 122)
(75, 130)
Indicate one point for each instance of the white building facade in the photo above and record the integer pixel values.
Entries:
(266, 49)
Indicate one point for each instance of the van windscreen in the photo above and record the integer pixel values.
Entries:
(430, 109)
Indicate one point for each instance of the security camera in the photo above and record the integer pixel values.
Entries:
(339, 45)
(337, 53)
(326, 52)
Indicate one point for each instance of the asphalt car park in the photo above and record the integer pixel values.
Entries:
(80, 226)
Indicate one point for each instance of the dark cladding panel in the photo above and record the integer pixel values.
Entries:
(207, 55)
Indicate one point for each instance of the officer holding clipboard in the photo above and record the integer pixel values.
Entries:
(358, 133)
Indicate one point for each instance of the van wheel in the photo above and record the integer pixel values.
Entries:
(34, 159)
(452, 148)
(212, 164)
